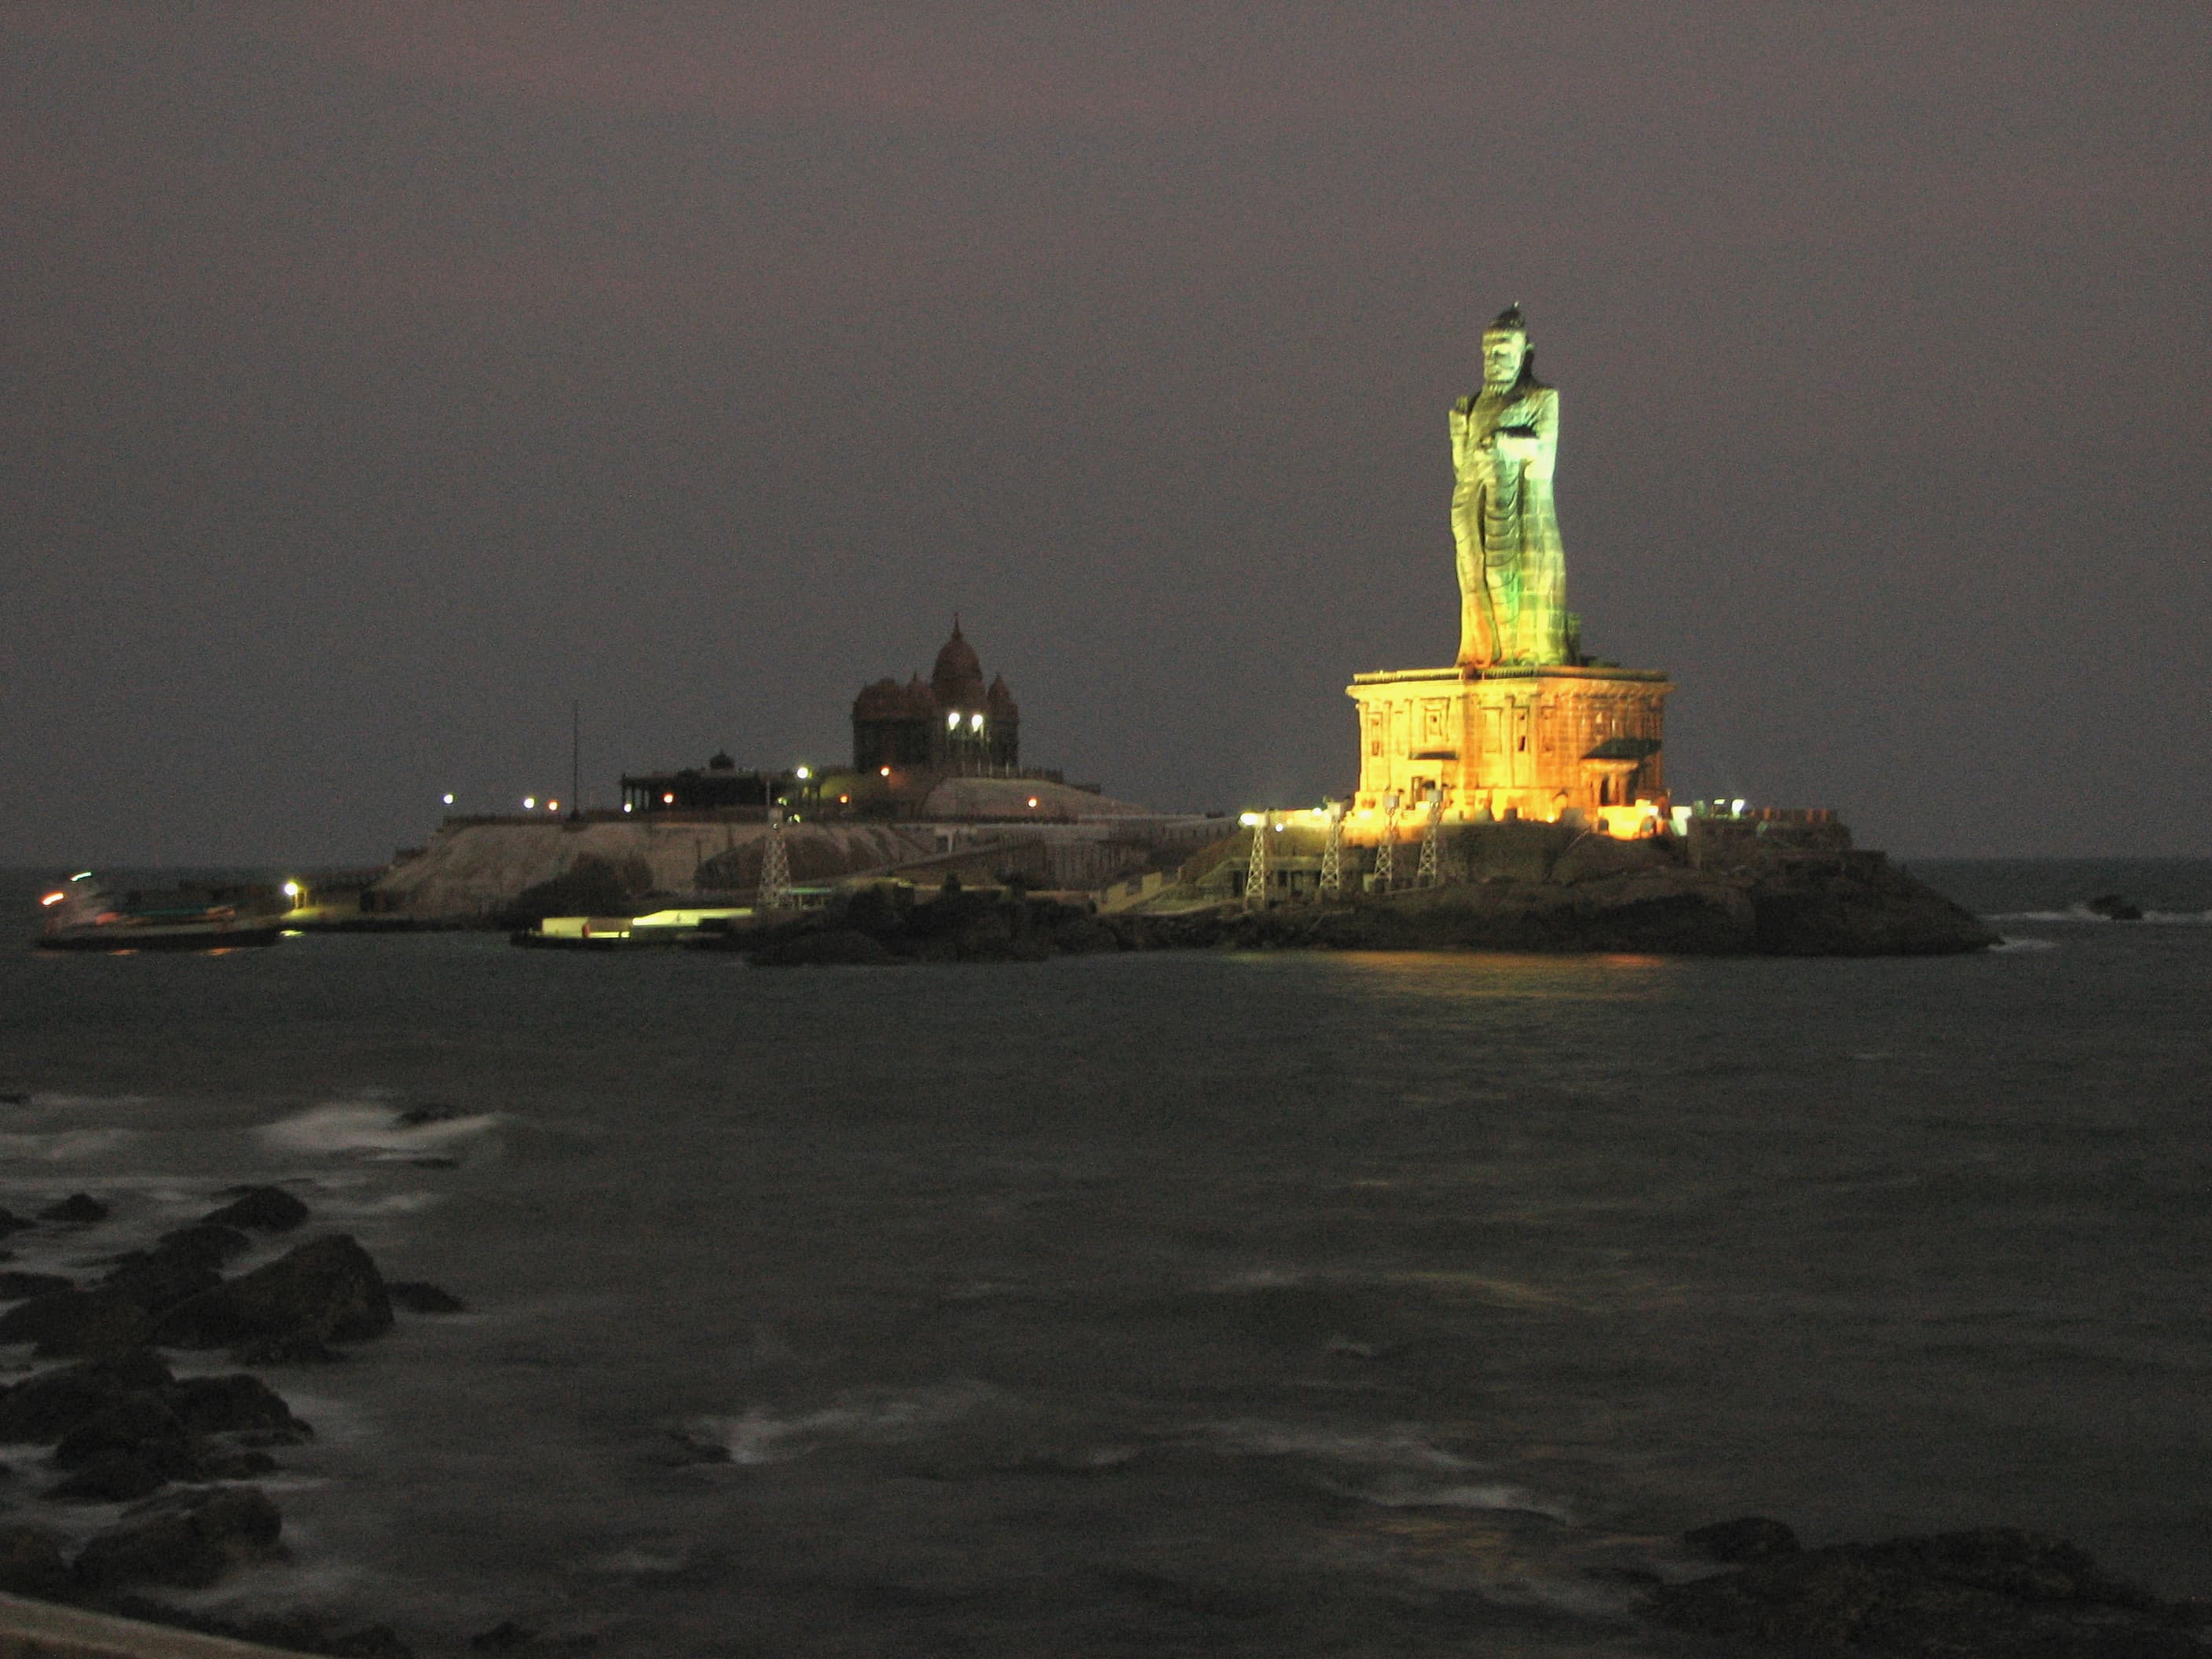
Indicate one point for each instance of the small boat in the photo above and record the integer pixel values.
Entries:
(82, 915)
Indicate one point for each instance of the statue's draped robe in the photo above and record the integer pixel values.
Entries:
(1512, 569)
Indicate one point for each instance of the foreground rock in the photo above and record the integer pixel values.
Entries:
(78, 1210)
(188, 1539)
(42, 1409)
(113, 1315)
(325, 1290)
(1994, 1593)
(123, 1428)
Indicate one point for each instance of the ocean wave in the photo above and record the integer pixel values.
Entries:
(38, 1100)
(366, 1129)
(2083, 912)
(1398, 1449)
(2006, 943)
(65, 1145)
(657, 1558)
(869, 1417)
(1397, 1468)
(1499, 1496)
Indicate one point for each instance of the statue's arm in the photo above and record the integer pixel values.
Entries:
(1544, 448)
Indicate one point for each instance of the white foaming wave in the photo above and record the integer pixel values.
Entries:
(870, 1417)
(66, 1145)
(364, 1128)
(40, 1100)
(2083, 912)
(383, 1204)
(1262, 1279)
(2005, 945)
(1497, 1495)
(641, 1560)
(1397, 1448)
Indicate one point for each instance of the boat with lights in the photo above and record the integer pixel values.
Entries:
(83, 915)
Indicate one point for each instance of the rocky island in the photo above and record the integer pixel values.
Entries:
(1510, 887)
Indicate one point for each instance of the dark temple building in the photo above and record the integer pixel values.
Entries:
(952, 722)
(719, 787)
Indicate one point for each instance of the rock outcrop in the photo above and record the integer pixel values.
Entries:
(187, 1538)
(262, 1209)
(1993, 1592)
(325, 1290)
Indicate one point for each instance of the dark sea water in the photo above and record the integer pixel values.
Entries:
(1267, 1304)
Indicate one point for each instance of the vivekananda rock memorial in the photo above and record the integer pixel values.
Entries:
(1523, 725)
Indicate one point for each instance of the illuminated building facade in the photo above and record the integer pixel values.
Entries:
(951, 722)
(1515, 741)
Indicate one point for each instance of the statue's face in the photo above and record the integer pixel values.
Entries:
(1501, 352)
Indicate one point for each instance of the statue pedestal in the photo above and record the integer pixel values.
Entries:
(1510, 742)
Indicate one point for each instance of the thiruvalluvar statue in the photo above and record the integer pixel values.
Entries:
(1512, 569)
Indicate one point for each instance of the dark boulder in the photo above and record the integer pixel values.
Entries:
(113, 1477)
(159, 1280)
(31, 1563)
(209, 1243)
(141, 1443)
(113, 1316)
(325, 1290)
(1085, 936)
(78, 1210)
(140, 1423)
(1753, 1538)
(263, 1209)
(1982, 1595)
(76, 1321)
(11, 1223)
(418, 1297)
(188, 1539)
(237, 1404)
(42, 1409)
(14, 1287)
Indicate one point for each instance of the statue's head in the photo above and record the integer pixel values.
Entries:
(1504, 347)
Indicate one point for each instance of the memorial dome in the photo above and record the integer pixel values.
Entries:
(957, 679)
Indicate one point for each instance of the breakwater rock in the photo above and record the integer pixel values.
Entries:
(1990, 1593)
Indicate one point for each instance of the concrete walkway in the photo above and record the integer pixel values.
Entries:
(40, 1630)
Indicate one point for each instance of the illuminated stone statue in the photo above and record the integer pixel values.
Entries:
(1512, 569)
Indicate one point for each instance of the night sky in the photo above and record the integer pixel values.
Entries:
(380, 379)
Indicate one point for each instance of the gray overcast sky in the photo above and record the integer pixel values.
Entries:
(380, 378)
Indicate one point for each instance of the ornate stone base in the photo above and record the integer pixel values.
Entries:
(1511, 742)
